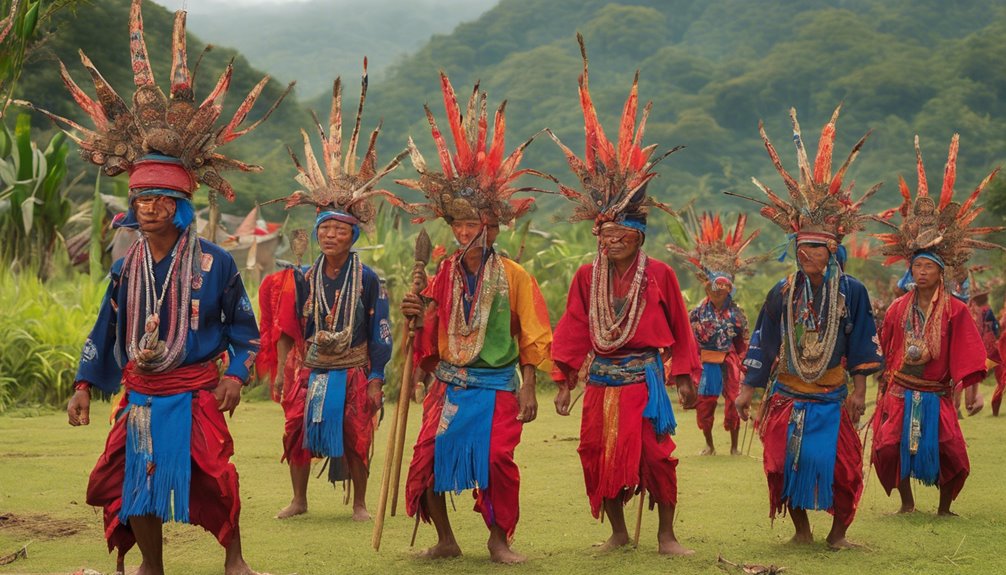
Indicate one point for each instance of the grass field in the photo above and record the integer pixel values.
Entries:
(723, 510)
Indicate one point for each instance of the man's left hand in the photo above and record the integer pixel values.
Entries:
(686, 390)
(375, 392)
(527, 401)
(973, 400)
(228, 394)
(856, 405)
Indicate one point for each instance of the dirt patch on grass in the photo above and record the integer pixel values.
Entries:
(40, 525)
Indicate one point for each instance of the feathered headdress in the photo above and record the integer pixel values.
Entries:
(819, 209)
(717, 252)
(476, 181)
(336, 183)
(944, 228)
(134, 140)
(612, 178)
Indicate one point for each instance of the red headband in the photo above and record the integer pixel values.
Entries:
(161, 174)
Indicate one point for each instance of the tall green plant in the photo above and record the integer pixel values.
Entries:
(19, 22)
(34, 205)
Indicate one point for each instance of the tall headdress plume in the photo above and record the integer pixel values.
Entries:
(716, 251)
(613, 177)
(820, 206)
(336, 183)
(475, 181)
(124, 138)
(941, 227)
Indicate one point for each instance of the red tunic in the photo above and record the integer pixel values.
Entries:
(619, 449)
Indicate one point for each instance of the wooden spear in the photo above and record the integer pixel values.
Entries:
(396, 434)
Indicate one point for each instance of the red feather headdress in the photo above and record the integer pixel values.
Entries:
(336, 183)
(475, 181)
(820, 207)
(175, 125)
(942, 228)
(717, 250)
(612, 176)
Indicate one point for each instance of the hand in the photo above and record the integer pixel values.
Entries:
(375, 392)
(973, 400)
(855, 404)
(527, 401)
(78, 409)
(412, 306)
(686, 391)
(228, 393)
(562, 400)
(743, 402)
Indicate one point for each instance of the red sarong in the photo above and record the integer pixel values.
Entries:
(620, 450)
(705, 405)
(277, 317)
(358, 421)
(213, 502)
(499, 504)
(848, 480)
(954, 463)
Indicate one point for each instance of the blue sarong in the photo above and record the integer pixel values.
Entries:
(461, 446)
(158, 457)
(324, 412)
(711, 382)
(920, 437)
(812, 447)
(637, 368)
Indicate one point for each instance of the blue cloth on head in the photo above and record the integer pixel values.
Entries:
(340, 216)
(924, 464)
(158, 457)
(324, 412)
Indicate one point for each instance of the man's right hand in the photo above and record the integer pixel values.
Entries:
(743, 402)
(78, 410)
(562, 400)
(412, 306)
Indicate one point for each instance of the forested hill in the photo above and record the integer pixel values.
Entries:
(713, 68)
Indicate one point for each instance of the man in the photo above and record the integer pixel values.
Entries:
(484, 332)
(338, 320)
(719, 324)
(814, 331)
(632, 309)
(175, 328)
(918, 435)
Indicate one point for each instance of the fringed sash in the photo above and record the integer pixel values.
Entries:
(461, 447)
(711, 382)
(638, 368)
(811, 447)
(323, 413)
(920, 437)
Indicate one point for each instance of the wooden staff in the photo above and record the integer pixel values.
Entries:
(639, 517)
(396, 433)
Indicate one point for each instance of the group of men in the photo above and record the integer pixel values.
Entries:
(176, 329)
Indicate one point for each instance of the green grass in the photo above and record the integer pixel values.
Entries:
(44, 465)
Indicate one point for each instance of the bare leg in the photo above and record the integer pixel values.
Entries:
(907, 497)
(234, 563)
(733, 441)
(667, 543)
(836, 538)
(446, 546)
(946, 498)
(616, 518)
(150, 540)
(709, 449)
(120, 562)
(499, 548)
(801, 522)
(359, 474)
(299, 475)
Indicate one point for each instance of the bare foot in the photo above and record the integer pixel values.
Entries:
(145, 570)
(502, 553)
(946, 513)
(292, 510)
(672, 547)
(240, 568)
(842, 543)
(360, 513)
(616, 541)
(906, 509)
(735, 452)
(442, 550)
(802, 539)
(709, 450)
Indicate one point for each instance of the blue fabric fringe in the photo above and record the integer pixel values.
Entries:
(925, 464)
(158, 473)
(711, 383)
(810, 458)
(323, 415)
(461, 447)
(658, 406)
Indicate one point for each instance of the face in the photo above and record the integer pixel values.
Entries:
(813, 258)
(335, 238)
(718, 291)
(926, 273)
(619, 243)
(466, 230)
(155, 213)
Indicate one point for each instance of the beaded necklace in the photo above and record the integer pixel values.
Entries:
(923, 332)
(347, 296)
(466, 335)
(810, 356)
(610, 330)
